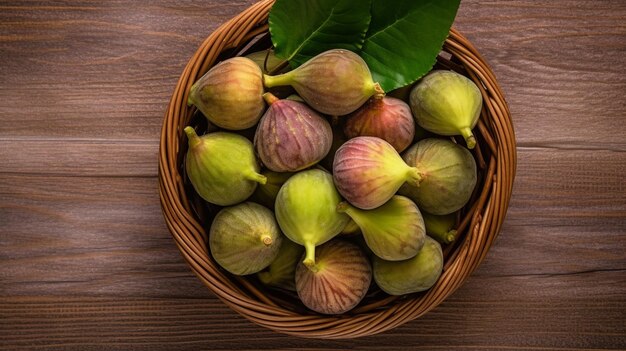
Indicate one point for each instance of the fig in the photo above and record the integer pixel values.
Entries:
(448, 175)
(368, 171)
(335, 82)
(387, 118)
(338, 281)
(230, 95)
(222, 167)
(306, 210)
(440, 228)
(267, 61)
(447, 103)
(413, 275)
(281, 273)
(351, 228)
(291, 136)
(265, 194)
(244, 238)
(394, 231)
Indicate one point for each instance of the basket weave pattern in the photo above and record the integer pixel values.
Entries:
(479, 224)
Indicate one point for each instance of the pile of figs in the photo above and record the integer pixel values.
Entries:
(338, 191)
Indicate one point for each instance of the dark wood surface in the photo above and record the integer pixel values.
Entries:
(86, 262)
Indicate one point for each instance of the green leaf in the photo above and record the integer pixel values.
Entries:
(403, 40)
(301, 29)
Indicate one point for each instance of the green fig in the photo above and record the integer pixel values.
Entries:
(351, 228)
(448, 175)
(230, 95)
(440, 228)
(447, 103)
(291, 136)
(267, 61)
(413, 275)
(394, 231)
(335, 82)
(338, 281)
(245, 238)
(306, 210)
(368, 171)
(265, 194)
(281, 273)
(222, 167)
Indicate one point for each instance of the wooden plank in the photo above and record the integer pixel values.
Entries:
(501, 313)
(88, 70)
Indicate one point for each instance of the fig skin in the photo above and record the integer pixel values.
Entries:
(245, 238)
(447, 103)
(368, 171)
(448, 175)
(387, 118)
(291, 136)
(441, 228)
(222, 167)
(335, 82)
(413, 275)
(281, 273)
(230, 95)
(339, 280)
(306, 210)
(394, 231)
(267, 62)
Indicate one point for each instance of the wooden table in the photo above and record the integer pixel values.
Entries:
(86, 262)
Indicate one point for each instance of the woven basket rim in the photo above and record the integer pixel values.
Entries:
(495, 154)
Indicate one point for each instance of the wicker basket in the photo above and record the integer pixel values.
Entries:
(188, 217)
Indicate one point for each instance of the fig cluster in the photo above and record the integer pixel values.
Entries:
(326, 186)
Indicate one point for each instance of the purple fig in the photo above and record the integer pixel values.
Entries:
(335, 82)
(291, 136)
(338, 281)
(230, 94)
(448, 175)
(388, 118)
(368, 171)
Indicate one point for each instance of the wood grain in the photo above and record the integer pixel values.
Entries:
(86, 262)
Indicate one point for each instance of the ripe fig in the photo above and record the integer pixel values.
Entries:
(394, 231)
(291, 136)
(306, 210)
(244, 238)
(387, 118)
(368, 171)
(222, 167)
(338, 281)
(440, 228)
(448, 175)
(230, 94)
(413, 275)
(335, 82)
(447, 103)
(265, 194)
(281, 273)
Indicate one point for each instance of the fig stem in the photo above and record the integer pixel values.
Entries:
(414, 176)
(194, 139)
(309, 258)
(281, 79)
(266, 239)
(270, 98)
(450, 236)
(470, 140)
(343, 206)
(378, 91)
(259, 178)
